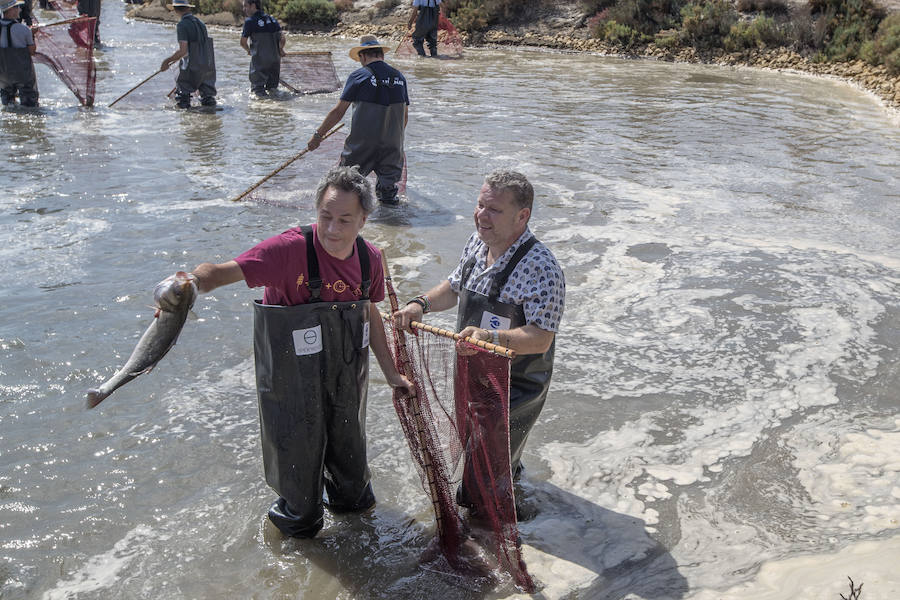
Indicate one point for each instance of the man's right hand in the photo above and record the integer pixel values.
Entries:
(404, 317)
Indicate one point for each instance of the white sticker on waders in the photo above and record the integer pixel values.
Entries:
(308, 341)
(365, 343)
(493, 322)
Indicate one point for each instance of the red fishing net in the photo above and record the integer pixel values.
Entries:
(309, 72)
(449, 41)
(67, 47)
(457, 428)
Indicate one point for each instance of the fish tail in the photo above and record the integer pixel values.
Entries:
(95, 397)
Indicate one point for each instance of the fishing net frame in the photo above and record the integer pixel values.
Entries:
(309, 72)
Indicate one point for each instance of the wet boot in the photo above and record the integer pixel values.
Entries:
(419, 45)
(387, 196)
(208, 101)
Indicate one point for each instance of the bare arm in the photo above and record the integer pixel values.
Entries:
(245, 44)
(177, 55)
(441, 298)
(281, 42)
(528, 339)
(331, 119)
(210, 276)
(378, 343)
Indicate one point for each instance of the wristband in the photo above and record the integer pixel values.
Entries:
(495, 337)
(318, 135)
(422, 301)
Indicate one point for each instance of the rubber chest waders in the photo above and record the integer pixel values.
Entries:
(312, 366)
(17, 72)
(426, 29)
(198, 68)
(265, 60)
(529, 377)
(375, 142)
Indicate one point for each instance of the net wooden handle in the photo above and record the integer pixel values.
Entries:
(501, 350)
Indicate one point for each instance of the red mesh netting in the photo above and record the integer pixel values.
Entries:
(457, 428)
(309, 72)
(67, 47)
(449, 41)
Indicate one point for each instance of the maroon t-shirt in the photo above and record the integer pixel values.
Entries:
(279, 263)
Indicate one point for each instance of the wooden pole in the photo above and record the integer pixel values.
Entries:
(283, 165)
(501, 350)
(406, 365)
(136, 87)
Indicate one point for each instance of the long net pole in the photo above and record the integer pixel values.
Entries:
(136, 87)
(283, 165)
(501, 350)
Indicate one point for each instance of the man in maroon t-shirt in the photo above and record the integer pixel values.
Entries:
(312, 331)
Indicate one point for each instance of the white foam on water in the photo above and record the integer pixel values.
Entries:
(105, 570)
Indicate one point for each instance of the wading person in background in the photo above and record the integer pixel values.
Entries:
(312, 332)
(424, 16)
(91, 8)
(16, 64)
(197, 59)
(26, 13)
(380, 102)
(263, 40)
(511, 292)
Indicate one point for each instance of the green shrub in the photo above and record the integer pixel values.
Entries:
(620, 35)
(592, 7)
(845, 25)
(885, 48)
(474, 15)
(769, 7)
(705, 24)
(761, 32)
(309, 12)
(209, 7)
(470, 16)
(343, 5)
(646, 16)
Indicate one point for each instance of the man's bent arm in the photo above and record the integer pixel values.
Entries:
(528, 339)
(331, 119)
(378, 343)
(210, 276)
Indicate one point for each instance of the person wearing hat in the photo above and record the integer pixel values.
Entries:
(16, 64)
(263, 40)
(424, 16)
(91, 8)
(197, 69)
(380, 102)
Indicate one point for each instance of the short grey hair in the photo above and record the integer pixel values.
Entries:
(348, 179)
(504, 179)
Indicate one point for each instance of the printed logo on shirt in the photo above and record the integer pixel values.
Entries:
(261, 23)
(308, 341)
(300, 281)
(339, 286)
(493, 322)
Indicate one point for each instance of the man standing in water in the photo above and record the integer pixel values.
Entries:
(511, 292)
(424, 16)
(263, 40)
(311, 341)
(380, 113)
(91, 8)
(16, 64)
(198, 63)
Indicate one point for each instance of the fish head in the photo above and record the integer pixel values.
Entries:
(176, 292)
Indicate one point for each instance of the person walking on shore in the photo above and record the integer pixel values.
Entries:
(17, 48)
(197, 68)
(380, 102)
(263, 39)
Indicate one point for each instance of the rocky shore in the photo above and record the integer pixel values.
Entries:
(565, 32)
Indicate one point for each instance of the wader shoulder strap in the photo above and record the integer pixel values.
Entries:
(365, 269)
(6, 29)
(312, 265)
(500, 280)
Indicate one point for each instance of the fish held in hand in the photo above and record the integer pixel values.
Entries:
(174, 298)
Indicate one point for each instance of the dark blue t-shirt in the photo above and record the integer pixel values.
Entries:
(260, 22)
(390, 88)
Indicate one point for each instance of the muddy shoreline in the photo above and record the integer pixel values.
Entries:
(872, 79)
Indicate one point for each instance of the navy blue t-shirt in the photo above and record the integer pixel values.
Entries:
(260, 22)
(361, 85)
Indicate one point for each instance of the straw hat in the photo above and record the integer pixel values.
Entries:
(367, 42)
(180, 4)
(5, 5)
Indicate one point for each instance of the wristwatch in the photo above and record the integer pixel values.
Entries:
(317, 135)
(422, 301)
